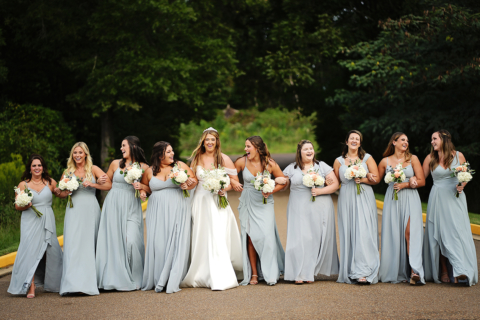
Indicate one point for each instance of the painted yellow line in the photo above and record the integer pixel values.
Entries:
(9, 259)
(144, 205)
(475, 227)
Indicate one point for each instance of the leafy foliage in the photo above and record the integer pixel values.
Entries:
(280, 129)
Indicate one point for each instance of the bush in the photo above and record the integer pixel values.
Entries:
(280, 129)
(10, 173)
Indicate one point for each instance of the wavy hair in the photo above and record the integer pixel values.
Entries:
(447, 148)
(361, 152)
(72, 165)
(136, 152)
(200, 149)
(298, 157)
(158, 154)
(27, 174)
(262, 150)
(391, 148)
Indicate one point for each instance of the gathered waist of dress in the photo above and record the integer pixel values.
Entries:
(123, 186)
(446, 183)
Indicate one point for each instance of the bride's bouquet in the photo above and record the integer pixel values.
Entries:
(354, 171)
(216, 180)
(313, 178)
(178, 177)
(264, 183)
(463, 173)
(395, 175)
(70, 183)
(132, 175)
(24, 198)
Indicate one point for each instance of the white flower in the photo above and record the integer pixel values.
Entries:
(464, 176)
(320, 181)
(23, 199)
(182, 177)
(308, 180)
(388, 178)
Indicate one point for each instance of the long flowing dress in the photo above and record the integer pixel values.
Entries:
(448, 229)
(358, 229)
(79, 243)
(395, 263)
(257, 220)
(39, 253)
(311, 236)
(216, 256)
(168, 221)
(120, 245)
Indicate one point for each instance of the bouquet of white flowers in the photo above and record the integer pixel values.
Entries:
(395, 175)
(216, 180)
(24, 198)
(463, 173)
(178, 177)
(264, 183)
(133, 174)
(313, 178)
(69, 182)
(354, 171)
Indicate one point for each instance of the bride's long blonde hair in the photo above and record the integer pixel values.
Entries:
(200, 149)
(71, 165)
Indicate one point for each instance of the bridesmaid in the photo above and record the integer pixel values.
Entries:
(81, 223)
(258, 227)
(39, 256)
(168, 221)
(448, 249)
(357, 216)
(311, 237)
(120, 245)
(402, 219)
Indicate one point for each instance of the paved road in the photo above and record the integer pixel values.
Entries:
(323, 299)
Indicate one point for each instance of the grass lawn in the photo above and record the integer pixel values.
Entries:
(474, 217)
(10, 235)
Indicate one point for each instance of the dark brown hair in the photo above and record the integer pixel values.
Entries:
(298, 157)
(391, 148)
(136, 152)
(361, 152)
(200, 149)
(262, 150)
(27, 174)
(158, 154)
(447, 148)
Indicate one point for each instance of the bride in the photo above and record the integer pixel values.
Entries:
(216, 252)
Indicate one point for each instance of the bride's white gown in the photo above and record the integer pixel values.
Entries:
(216, 251)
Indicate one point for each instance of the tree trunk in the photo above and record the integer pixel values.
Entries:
(106, 137)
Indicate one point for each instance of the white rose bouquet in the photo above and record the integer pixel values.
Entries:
(395, 175)
(69, 182)
(216, 180)
(463, 173)
(178, 177)
(313, 178)
(354, 171)
(264, 183)
(24, 198)
(132, 175)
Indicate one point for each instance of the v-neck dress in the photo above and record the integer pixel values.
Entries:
(257, 220)
(447, 229)
(395, 263)
(39, 253)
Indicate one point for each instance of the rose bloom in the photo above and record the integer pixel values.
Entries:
(66, 180)
(265, 180)
(397, 174)
(352, 173)
(175, 174)
(464, 169)
(355, 167)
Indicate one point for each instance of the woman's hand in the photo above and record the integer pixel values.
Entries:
(184, 186)
(461, 187)
(190, 182)
(57, 191)
(266, 195)
(329, 181)
(143, 195)
(101, 180)
(87, 183)
(358, 180)
(413, 182)
(316, 191)
(371, 177)
(221, 193)
(399, 186)
(281, 180)
(137, 185)
(237, 186)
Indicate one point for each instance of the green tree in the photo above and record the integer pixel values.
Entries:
(421, 74)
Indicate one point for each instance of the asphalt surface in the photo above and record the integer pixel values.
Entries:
(323, 299)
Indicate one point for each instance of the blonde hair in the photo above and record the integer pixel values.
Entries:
(72, 166)
(200, 149)
(447, 148)
(391, 148)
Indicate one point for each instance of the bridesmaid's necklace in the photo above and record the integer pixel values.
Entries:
(37, 183)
